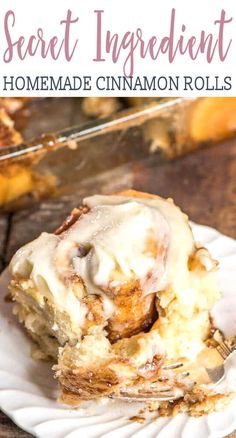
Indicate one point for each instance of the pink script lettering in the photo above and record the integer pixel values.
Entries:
(54, 48)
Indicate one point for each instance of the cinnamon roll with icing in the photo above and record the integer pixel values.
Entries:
(120, 289)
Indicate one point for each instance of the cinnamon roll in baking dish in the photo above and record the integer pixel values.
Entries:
(117, 291)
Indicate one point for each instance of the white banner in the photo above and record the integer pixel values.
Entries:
(102, 47)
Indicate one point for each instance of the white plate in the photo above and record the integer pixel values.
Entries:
(28, 391)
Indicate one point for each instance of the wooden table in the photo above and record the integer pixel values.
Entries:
(202, 183)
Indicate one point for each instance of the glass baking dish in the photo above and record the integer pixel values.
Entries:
(94, 157)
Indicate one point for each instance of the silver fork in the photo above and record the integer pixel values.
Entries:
(215, 375)
(225, 350)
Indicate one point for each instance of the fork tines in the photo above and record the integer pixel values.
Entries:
(146, 396)
(172, 366)
(224, 350)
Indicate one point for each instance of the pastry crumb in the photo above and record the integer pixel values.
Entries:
(138, 419)
(196, 403)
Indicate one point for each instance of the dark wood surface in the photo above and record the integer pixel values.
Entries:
(202, 183)
(9, 430)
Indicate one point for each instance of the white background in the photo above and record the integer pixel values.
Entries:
(153, 16)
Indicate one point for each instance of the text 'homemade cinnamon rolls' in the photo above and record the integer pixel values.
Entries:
(118, 290)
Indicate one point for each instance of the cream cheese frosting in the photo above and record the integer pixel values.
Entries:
(122, 247)
(120, 239)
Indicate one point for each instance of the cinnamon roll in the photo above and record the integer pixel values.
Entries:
(120, 289)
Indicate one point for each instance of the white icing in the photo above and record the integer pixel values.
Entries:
(117, 236)
(116, 233)
(35, 261)
(169, 225)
